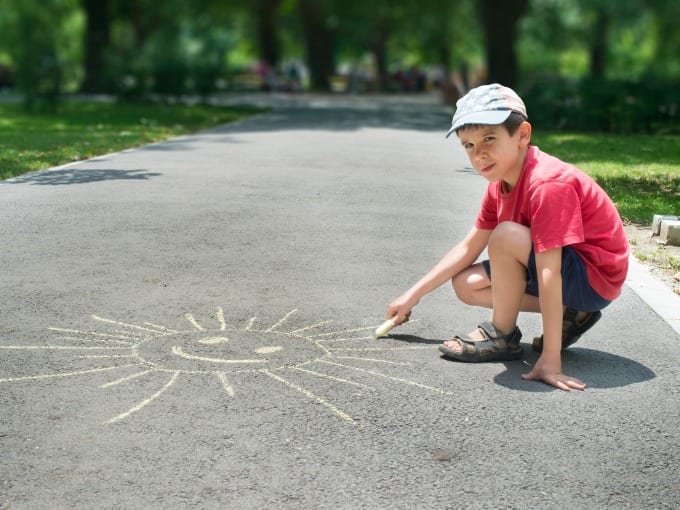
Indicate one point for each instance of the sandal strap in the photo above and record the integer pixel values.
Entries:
(511, 338)
(490, 330)
(492, 336)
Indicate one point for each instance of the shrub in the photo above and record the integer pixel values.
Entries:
(649, 106)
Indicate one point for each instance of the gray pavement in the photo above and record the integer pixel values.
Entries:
(188, 325)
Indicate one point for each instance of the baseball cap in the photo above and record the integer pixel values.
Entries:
(488, 104)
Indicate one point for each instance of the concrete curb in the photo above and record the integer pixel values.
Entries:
(661, 299)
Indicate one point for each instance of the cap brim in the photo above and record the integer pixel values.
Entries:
(488, 117)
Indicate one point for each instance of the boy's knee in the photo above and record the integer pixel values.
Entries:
(468, 282)
(458, 283)
(509, 233)
(461, 287)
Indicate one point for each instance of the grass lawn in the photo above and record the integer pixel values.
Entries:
(641, 173)
(84, 130)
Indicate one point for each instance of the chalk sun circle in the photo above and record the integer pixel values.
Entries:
(227, 351)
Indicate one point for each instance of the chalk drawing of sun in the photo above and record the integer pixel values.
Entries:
(224, 351)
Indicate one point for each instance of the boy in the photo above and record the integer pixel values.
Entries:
(555, 240)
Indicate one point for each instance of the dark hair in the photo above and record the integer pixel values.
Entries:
(511, 124)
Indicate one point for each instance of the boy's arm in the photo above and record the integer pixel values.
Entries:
(548, 368)
(458, 258)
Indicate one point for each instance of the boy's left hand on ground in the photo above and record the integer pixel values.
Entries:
(551, 373)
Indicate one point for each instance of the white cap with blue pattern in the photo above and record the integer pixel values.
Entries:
(487, 104)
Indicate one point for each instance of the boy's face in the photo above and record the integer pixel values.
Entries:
(494, 153)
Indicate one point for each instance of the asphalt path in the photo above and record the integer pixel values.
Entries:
(189, 325)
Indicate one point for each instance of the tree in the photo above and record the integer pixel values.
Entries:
(667, 54)
(599, 45)
(378, 45)
(364, 28)
(499, 20)
(319, 26)
(265, 13)
(445, 34)
(40, 47)
(97, 40)
(599, 39)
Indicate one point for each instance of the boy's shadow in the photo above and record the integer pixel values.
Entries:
(598, 369)
(413, 339)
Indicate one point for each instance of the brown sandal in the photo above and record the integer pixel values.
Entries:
(571, 329)
(496, 346)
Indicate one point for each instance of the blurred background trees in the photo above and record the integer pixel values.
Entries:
(581, 64)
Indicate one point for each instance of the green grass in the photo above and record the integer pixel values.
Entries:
(84, 130)
(641, 173)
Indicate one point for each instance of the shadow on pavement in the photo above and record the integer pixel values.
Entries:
(412, 339)
(337, 119)
(81, 176)
(597, 369)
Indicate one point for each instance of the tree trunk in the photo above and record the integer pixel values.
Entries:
(598, 51)
(499, 20)
(380, 53)
(97, 39)
(319, 43)
(266, 15)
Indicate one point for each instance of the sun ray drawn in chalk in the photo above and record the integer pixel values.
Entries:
(298, 357)
(125, 379)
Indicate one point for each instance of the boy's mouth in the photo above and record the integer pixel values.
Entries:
(486, 169)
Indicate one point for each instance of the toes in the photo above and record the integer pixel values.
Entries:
(453, 345)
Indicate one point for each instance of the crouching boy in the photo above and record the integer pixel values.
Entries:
(556, 243)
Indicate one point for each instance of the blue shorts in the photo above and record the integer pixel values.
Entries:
(576, 290)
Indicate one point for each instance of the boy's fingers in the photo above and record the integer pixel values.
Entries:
(560, 381)
(562, 386)
(398, 318)
(577, 385)
(572, 382)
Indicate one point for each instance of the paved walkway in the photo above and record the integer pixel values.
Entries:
(188, 325)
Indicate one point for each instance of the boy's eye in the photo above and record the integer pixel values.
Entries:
(488, 138)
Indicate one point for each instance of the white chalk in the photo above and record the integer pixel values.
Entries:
(385, 328)
(388, 325)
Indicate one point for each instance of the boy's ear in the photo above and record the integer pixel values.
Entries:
(525, 134)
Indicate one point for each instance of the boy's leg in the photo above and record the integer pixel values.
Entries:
(473, 287)
(582, 305)
(509, 249)
(509, 253)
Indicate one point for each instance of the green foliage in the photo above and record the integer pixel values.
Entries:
(649, 106)
(558, 37)
(180, 55)
(39, 36)
(33, 141)
(641, 173)
(177, 47)
(666, 61)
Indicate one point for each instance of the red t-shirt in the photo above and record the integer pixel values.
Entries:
(562, 206)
